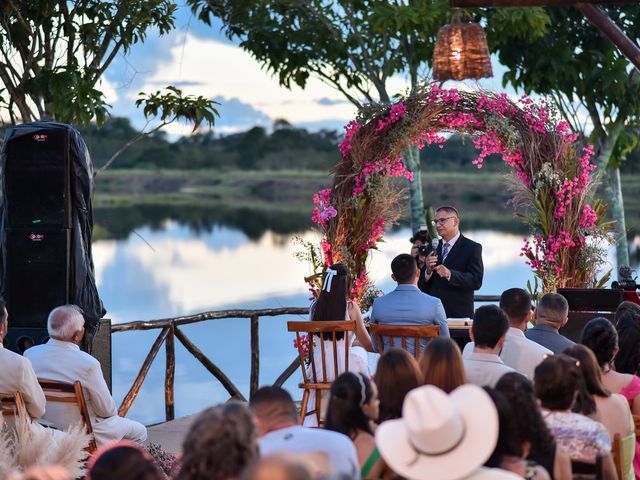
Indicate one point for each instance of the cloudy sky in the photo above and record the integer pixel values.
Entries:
(200, 60)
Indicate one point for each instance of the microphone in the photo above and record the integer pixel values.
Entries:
(434, 246)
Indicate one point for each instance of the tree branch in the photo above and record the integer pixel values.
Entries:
(131, 142)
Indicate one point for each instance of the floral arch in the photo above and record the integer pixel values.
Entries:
(553, 180)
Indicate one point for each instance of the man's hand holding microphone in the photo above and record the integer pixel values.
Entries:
(432, 263)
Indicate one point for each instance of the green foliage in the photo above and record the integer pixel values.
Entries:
(55, 52)
(284, 148)
(172, 106)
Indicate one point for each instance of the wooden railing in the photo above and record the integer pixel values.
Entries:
(169, 331)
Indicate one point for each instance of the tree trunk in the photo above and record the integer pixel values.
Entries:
(613, 188)
(613, 192)
(412, 161)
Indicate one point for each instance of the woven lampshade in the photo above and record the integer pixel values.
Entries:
(461, 52)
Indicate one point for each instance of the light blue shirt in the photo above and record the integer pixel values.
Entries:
(407, 305)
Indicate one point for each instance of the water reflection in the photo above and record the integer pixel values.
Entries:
(168, 268)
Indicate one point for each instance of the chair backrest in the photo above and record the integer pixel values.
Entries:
(407, 335)
(12, 405)
(309, 336)
(69, 393)
(636, 425)
(622, 452)
(588, 470)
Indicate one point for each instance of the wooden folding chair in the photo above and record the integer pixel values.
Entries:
(588, 470)
(316, 377)
(622, 452)
(69, 393)
(405, 334)
(12, 405)
(636, 424)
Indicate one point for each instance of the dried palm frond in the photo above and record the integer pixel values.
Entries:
(37, 445)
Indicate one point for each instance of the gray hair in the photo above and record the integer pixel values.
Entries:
(64, 321)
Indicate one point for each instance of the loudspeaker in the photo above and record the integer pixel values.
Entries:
(37, 178)
(19, 339)
(38, 274)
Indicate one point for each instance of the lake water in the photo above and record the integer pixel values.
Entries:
(170, 268)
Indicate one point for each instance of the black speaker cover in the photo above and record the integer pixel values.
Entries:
(37, 178)
(38, 274)
(46, 224)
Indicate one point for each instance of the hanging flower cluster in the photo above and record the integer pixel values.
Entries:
(552, 170)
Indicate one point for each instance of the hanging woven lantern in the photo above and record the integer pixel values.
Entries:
(461, 52)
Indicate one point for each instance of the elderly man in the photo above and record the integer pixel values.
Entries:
(61, 359)
(16, 373)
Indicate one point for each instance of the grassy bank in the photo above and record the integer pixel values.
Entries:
(483, 197)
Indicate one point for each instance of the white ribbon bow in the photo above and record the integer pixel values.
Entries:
(330, 273)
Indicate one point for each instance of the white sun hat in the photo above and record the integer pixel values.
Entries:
(440, 436)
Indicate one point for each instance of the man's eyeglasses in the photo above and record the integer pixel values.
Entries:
(440, 220)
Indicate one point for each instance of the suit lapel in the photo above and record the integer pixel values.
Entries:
(453, 251)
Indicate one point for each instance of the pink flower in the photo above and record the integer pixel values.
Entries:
(396, 112)
(589, 217)
(351, 129)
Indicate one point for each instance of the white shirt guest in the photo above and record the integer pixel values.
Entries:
(483, 366)
(518, 352)
(17, 375)
(61, 359)
(277, 420)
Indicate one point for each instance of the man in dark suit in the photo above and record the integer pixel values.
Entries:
(455, 270)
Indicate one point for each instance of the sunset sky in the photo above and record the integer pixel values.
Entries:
(200, 60)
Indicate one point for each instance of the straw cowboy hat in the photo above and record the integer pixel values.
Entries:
(440, 436)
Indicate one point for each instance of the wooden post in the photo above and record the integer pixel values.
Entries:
(142, 374)
(284, 376)
(170, 374)
(254, 380)
(209, 365)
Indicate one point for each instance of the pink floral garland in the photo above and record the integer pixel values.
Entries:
(540, 252)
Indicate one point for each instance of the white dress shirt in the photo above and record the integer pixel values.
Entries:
(17, 375)
(518, 352)
(64, 361)
(484, 369)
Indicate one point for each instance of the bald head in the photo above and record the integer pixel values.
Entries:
(66, 323)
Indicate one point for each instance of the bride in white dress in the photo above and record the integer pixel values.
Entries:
(333, 304)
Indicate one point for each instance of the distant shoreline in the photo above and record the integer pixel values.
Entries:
(483, 197)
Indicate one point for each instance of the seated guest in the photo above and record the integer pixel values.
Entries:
(276, 467)
(122, 460)
(397, 373)
(61, 359)
(483, 366)
(552, 313)
(16, 373)
(543, 450)
(628, 327)
(333, 304)
(353, 407)
(277, 421)
(612, 410)
(407, 305)
(443, 437)
(518, 352)
(601, 338)
(441, 365)
(220, 444)
(512, 448)
(557, 382)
